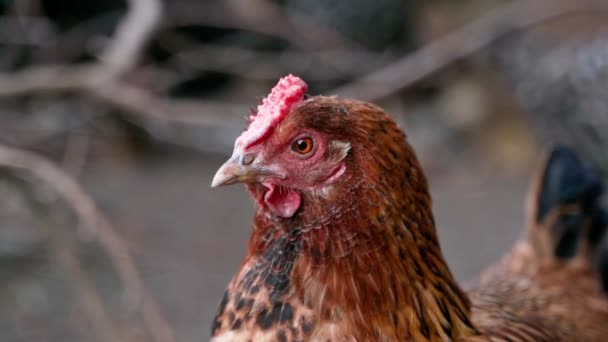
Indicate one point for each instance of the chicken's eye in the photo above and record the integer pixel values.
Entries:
(302, 146)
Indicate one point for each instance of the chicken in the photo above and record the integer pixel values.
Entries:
(344, 246)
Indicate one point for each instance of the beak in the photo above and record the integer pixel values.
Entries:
(233, 171)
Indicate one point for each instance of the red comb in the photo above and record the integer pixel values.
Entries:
(289, 90)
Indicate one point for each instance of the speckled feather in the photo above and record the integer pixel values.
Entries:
(360, 261)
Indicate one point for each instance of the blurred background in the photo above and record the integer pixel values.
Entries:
(136, 104)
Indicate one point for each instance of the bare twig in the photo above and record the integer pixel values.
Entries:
(143, 104)
(387, 80)
(267, 18)
(72, 43)
(463, 42)
(131, 37)
(52, 78)
(97, 226)
(268, 65)
(92, 305)
(121, 53)
(260, 16)
(100, 79)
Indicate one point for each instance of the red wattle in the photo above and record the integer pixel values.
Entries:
(283, 202)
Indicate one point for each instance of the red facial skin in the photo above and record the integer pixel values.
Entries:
(295, 172)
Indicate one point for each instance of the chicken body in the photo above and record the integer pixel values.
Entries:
(552, 286)
(344, 248)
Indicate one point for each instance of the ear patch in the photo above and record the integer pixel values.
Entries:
(338, 150)
(273, 109)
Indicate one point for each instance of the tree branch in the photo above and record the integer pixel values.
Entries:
(97, 227)
(461, 43)
(101, 79)
(119, 56)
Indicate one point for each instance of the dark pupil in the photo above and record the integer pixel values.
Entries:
(302, 145)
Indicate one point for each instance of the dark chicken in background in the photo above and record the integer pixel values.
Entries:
(344, 246)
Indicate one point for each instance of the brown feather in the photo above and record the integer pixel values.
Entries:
(361, 261)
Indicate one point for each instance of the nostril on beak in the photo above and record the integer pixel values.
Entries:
(247, 159)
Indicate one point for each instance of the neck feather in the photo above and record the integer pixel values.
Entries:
(368, 262)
